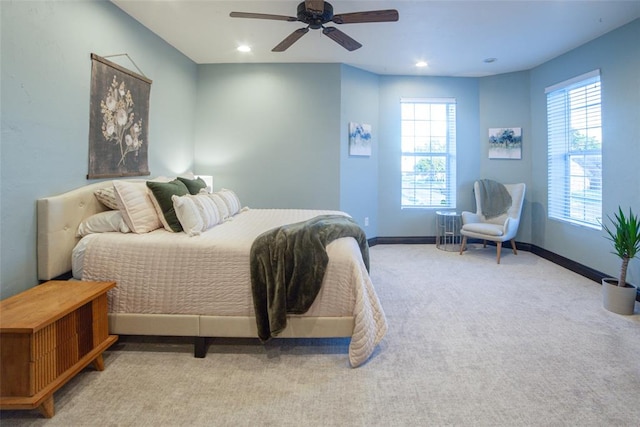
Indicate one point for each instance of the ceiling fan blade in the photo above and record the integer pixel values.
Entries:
(341, 38)
(262, 16)
(291, 39)
(388, 15)
(314, 6)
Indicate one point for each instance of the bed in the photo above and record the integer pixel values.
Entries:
(198, 284)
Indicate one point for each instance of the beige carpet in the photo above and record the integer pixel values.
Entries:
(470, 342)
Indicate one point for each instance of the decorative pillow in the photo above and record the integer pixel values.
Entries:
(193, 185)
(208, 210)
(231, 200)
(196, 213)
(136, 206)
(103, 222)
(161, 193)
(107, 197)
(220, 204)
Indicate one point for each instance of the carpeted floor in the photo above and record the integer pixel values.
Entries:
(470, 343)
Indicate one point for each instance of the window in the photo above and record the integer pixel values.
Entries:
(575, 150)
(428, 161)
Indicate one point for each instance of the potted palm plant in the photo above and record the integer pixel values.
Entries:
(617, 295)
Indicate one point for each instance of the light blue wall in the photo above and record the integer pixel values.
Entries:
(277, 135)
(45, 81)
(396, 222)
(359, 175)
(617, 55)
(271, 132)
(504, 102)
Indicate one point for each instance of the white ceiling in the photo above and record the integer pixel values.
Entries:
(454, 37)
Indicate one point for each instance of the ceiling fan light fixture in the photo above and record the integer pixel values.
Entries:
(315, 14)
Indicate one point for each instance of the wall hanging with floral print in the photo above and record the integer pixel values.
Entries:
(119, 121)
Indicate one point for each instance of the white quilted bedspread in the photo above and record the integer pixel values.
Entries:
(172, 273)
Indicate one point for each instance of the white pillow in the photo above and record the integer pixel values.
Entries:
(103, 222)
(107, 197)
(231, 200)
(135, 204)
(209, 211)
(196, 213)
(220, 204)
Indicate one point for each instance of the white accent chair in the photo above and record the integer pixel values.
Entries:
(497, 229)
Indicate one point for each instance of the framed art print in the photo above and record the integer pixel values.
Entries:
(505, 143)
(359, 139)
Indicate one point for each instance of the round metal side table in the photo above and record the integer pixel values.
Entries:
(448, 225)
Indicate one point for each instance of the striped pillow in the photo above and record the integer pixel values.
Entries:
(107, 197)
(231, 200)
(196, 213)
(221, 205)
(135, 204)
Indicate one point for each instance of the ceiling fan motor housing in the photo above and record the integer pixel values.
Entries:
(313, 19)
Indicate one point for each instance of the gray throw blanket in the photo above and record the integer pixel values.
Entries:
(288, 264)
(494, 197)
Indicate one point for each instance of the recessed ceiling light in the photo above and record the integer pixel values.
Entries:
(490, 60)
(244, 48)
(421, 64)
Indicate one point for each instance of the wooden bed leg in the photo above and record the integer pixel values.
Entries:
(200, 346)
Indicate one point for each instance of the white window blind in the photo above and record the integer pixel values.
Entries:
(428, 160)
(575, 150)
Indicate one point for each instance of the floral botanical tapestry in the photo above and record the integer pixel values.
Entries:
(119, 121)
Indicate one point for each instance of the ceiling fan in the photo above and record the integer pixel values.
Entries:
(316, 13)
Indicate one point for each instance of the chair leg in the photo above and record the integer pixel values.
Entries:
(484, 243)
(463, 244)
(513, 246)
(499, 248)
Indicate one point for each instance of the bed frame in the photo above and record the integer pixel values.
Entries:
(58, 220)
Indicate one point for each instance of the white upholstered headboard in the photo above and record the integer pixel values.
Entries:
(58, 221)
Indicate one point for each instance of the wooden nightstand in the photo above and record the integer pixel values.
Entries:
(48, 334)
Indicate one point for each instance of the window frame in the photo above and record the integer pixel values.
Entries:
(574, 131)
(431, 158)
